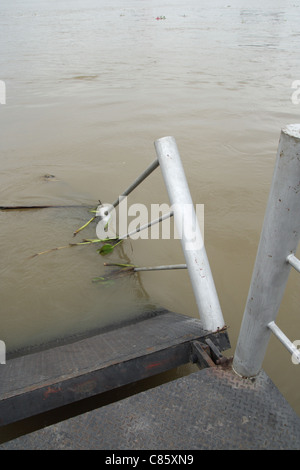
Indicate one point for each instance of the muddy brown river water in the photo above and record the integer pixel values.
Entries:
(89, 86)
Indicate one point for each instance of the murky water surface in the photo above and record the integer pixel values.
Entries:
(90, 85)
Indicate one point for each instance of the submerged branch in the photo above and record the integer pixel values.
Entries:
(20, 208)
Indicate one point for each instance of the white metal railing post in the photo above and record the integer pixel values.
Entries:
(195, 254)
(279, 239)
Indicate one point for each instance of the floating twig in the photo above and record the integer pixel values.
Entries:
(49, 251)
(84, 242)
(84, 226)
(122, 265)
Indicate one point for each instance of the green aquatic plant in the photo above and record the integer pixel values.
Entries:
(84, 242)
(108, 248)
(84, 226)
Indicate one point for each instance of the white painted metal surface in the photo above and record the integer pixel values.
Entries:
(294, 261)
(284, 340)
(191, 238)
(161, 268)
(145, 226)
(279, 240)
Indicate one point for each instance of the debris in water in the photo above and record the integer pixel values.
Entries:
(48, 177)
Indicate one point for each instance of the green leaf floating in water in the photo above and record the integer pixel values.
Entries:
(108, 248)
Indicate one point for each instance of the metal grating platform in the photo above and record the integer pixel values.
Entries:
(45, 380)
(209, 409)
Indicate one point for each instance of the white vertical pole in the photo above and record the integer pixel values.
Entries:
(191, 239)
(279, 238)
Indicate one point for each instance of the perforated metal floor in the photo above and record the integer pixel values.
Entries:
(209, 409)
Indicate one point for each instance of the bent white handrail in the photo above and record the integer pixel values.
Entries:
(187, 225)
(183, 210)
